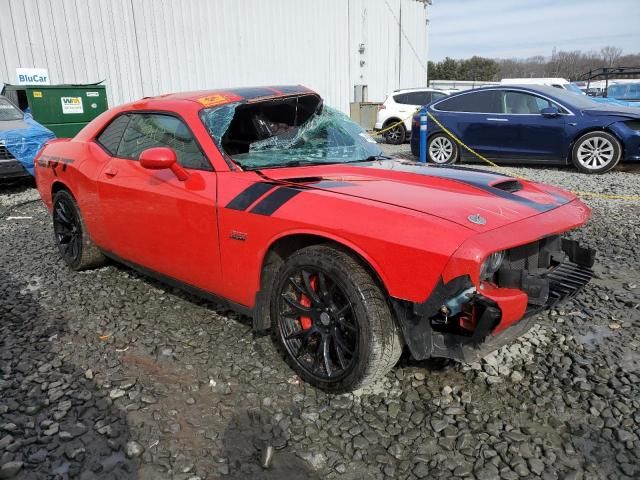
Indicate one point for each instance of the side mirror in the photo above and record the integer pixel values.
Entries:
(550, 112)
(160, 158)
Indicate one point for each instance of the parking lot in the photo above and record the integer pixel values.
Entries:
(107, 374)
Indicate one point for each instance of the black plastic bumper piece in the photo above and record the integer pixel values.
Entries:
(554, 286)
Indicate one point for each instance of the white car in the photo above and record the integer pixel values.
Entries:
(400, 106)
(561, 83)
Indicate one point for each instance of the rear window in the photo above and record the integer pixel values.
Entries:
(437, 96)
(8, 111)
(487, 101)
(413, 98)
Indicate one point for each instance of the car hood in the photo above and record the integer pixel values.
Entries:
(613, 110)
(477, 199)
(6, 125)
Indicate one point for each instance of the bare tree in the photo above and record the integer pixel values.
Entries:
(610, 55)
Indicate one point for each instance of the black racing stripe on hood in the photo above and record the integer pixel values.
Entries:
(477, 178)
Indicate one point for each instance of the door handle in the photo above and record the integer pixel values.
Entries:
(491, 119)
(111, 172)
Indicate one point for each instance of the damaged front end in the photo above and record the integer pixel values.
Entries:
(464, 322)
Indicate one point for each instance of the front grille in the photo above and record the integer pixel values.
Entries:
(565, 281)
(4, 153)
(549, 271)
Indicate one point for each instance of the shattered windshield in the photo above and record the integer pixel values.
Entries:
(287, 132)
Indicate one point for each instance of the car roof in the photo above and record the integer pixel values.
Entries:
(210, 98)
(415, 89)
(565, 97)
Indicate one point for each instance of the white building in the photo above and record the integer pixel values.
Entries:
(149, 47)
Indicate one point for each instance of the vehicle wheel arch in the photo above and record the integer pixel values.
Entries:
(390, 121)
(58, 185)
(592, 130)
(282, 246)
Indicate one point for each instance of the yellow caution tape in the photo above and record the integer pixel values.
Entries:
(635, 198)
(391, 127)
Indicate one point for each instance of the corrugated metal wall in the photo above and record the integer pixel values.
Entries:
(149, 47)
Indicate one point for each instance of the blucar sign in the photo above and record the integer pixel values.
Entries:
(32, 76)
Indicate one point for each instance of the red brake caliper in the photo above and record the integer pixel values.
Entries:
(306, 302)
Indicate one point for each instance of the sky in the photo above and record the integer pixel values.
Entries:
(524, 28)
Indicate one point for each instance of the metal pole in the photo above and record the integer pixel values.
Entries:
(423, 135)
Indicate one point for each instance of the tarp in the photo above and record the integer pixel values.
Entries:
(25, 142)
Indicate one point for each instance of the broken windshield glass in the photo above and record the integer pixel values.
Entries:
(287, 132)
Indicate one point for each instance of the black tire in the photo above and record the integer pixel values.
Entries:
(596, 152)
(397, 135)
(71, 236)
(442, 149)
(351, 339)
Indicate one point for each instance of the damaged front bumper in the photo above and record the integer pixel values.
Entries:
(461, 322)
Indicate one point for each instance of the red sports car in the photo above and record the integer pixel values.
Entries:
(277, 206)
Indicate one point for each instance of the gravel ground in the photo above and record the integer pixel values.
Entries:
(108, 374)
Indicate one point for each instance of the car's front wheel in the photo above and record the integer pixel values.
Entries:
(396, 135)
(71, 236)
(441, 149)
(332, 320)
(596, 152)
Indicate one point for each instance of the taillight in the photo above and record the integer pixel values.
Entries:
(381, 107)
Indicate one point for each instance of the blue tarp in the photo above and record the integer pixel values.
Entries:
(25, 143)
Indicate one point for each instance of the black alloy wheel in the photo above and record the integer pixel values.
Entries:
(332, 320)
(397, 135)
(318, 325)
(75, 246)
(68, 230)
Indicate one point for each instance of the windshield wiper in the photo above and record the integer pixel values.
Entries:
(303, 163)
(371, 158)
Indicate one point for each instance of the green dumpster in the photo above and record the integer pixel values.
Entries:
(63, 109)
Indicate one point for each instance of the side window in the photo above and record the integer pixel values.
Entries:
(112, 135)
(418, 98)
(147, 130)
(437, 96)
(487, 101)
(524, 103)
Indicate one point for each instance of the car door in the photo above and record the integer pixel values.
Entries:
(528, 135)
(474, 117)
(151, 218)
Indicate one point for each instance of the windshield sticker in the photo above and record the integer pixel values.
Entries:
(219, 99)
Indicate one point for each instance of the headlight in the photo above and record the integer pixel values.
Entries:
(491, 265)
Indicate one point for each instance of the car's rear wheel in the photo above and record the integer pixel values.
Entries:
(441, 149)
(332, 320)
(596, 152)
(72, 238)
(397, 135)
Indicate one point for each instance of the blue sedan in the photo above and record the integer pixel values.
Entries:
(531, 125)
